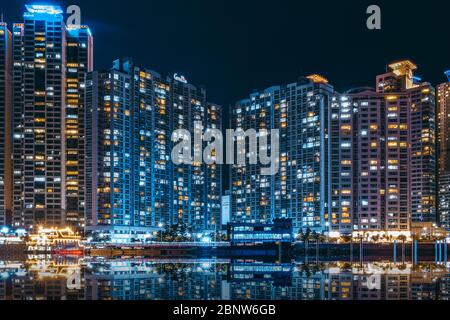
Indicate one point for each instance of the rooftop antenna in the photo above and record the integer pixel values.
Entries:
(447, 74)
(2, 18)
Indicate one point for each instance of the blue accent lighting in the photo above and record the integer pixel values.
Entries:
(447, 74)
(44, 9)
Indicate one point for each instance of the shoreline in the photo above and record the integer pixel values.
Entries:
(284, 252)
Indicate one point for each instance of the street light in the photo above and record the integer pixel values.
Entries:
(160, 225)
(206, 240)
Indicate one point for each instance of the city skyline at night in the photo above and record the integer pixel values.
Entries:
(102, 159)
(196, 39)
(224, 159)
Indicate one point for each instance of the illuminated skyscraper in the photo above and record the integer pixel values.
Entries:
(79, 61)
(135, 187)
(421, 98)
(300, 190)
(196, 197)
(38, 117)
(383, 163)
(444, 200)
(50, 62)
(5, 125)
(443, 102)
(213, 178)
(119, 127)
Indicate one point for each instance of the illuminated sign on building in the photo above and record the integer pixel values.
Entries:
(180, 78)
(34, 8)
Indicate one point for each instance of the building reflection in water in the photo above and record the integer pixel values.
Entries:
(137, 280)
(40, 278)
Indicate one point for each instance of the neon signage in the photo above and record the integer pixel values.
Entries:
(180, 78)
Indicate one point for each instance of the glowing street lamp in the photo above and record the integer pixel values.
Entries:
(161, 226)
(206, 240)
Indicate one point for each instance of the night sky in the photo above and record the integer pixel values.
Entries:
(233, 47)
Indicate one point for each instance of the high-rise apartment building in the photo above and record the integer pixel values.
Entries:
(196, 196)
(127, 150)
(5, 125)
(300, 190)
(49, 65)
(383, 157)
(443, 119)
(444, 201)
(135, 187)
(79, 61)
(39, 78)
(213, 179)
(18, 126)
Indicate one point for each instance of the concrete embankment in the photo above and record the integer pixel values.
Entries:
(426, 251)
(144, 252)
(12, 252)
(324, 252)
(167, 251)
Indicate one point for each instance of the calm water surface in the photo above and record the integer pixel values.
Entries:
(98, 279)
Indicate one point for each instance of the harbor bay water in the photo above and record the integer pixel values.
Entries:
(50, 278)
